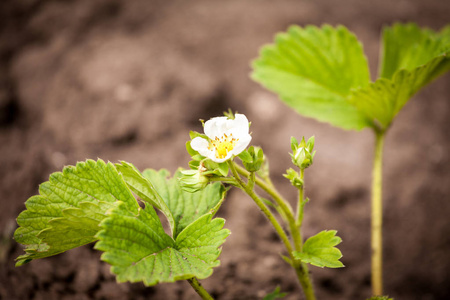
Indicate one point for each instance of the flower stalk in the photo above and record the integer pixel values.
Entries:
(247, 188)
(301, 199)
(301, 269)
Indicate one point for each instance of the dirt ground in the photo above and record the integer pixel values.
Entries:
(127, 80)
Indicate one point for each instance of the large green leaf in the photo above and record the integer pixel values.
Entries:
(139, 250)
(407, 46)
(412, 57)
(382, 100)
(69, 208)
(185, 207)
(319, 250)
(313, 70)
(145, 189)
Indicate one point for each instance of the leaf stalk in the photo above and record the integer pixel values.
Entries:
(377, 217)
(199, 289)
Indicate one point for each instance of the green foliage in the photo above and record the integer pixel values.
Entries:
(69, 208)
(319, 250)
(380, 298)
(322, 73)
(185, 207)
(412, 57)
(276, 294)
(92, 201)
(407, 46)
(142, 187)
(139, 250)
(313, 70)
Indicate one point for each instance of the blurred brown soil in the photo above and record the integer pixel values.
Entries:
(127, 80)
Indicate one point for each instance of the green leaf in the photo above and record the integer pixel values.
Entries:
(412, 57)
(407, 46)
(139, 250)
(313, 70)
(380, 298)
(319, 250)
(69, 208)
(185, 207)
(145, 190)
(276, 294)
(382, 100)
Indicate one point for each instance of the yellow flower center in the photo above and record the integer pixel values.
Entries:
(222, 145)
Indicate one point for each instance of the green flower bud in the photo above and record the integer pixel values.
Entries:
(252, 159)
(303, 153)
(193, 180)
(294, 178)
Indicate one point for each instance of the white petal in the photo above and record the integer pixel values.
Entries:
(241, 121)
(214, 126)
(221, 160)
(201, 145)
(241, 144)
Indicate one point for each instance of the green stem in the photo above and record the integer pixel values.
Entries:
(263, 208)
(301, 199)
(301, 269)
(199, 289)
(377, 217)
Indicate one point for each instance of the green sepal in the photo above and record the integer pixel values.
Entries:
(194, 134)
(294, 143)
(294, 178)
(69, 208)
(310, 144)
(138, 249)
(223, 169)
(245, 156)
(319, 250)
(191, 151)
(252, 158)
(193, 180)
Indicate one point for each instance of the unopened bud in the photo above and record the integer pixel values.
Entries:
(193, 180)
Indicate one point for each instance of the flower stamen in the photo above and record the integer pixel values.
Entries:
(222, 145)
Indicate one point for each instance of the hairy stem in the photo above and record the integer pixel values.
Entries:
(377, 217)
(301, 199)
(199, 289)
(262, 207)
(301, 269)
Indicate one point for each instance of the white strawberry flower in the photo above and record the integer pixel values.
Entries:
(226, 138)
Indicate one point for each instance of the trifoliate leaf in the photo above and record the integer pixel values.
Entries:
(319, 250)
(185, 207)
(69, 208)
(412, 58)
(276, 294)
(145, 190)
(139, 250)
(313, 70)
